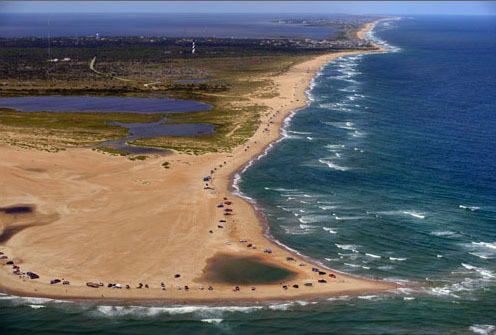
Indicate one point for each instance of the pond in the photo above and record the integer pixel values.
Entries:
(87, 104)
(244, 270)
(102, 104)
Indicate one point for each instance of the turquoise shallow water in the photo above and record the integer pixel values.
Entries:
(389, 172)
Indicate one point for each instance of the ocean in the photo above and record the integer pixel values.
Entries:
(389, 172)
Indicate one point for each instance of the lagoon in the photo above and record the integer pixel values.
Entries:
(87, 104)
(91, 104)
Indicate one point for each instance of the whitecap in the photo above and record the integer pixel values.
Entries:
(414, 214)
(369, 297)
(372, 255)
(17, 300)
(330, 230)
(351, 247)
(469, 208)
(386, 267)
(335, 146)
(347, 89)
(293, 137)
(442, 291)
(483, 277)
(370, 35)
(480, 255)
(443, 233)
(484, 273)
(280, 189)
(468, 266)
(326, 208)
(482, 250)
(352, 256)
(358, 134)
(403, 290)
(353, 265)
(296, 230)
(342, 125)
(144, 311)
(280, 307)
(307, 226)
(345, 218)
(340, 298)
(37, 306)
(483, 329)
(397, 259)
(485, 245)
(212, 321)
(299, 132)
(313, 218)
(333, 165)
(331, 259)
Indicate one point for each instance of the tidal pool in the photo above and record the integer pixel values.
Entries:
(244, 270)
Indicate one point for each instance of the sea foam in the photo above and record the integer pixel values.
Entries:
(332, 165)
(483, 329)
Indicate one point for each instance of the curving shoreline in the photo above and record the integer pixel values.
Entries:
(174, 194)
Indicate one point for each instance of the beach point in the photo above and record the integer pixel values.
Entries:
(77, 224)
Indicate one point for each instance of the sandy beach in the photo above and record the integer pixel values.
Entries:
(99, 218)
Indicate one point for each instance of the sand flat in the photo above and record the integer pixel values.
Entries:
(130, 222)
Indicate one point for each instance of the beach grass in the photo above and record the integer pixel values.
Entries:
(111, 151)
(55, 131)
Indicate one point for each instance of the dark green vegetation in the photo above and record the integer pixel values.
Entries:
(55, 131)
(138, 158)
(111, 151)
(231, 70)
(244, 270)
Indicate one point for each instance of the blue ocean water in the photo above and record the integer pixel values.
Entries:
(389, 172)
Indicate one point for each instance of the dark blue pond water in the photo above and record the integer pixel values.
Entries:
(86, 104)
(156, 129)
(102, 104)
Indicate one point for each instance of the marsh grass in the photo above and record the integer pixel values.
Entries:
(231, 81)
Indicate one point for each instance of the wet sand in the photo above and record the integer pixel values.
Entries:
(111, 220)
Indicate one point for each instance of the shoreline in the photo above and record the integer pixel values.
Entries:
(296, 81)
